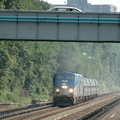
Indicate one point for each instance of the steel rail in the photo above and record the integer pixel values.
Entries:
(23, 110)
(95, 114)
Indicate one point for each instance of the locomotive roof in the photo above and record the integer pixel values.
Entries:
(68, 73)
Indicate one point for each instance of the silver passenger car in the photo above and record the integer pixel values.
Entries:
(64, 9)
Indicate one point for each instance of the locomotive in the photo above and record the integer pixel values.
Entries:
(71, 88)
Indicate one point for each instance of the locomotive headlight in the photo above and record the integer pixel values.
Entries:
(64, 86)
(70, 90)
(57, 90)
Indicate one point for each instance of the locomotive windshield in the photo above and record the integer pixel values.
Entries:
(64, 76)
(64, 79)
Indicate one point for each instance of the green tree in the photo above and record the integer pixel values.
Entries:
(25, 4)
(2, 4)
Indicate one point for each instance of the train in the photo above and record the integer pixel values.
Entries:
(71, 88)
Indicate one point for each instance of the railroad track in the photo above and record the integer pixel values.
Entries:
(94, 111)
(83, 110)
(76, 111)
(4, 114)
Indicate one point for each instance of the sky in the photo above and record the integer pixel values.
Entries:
(110, 2)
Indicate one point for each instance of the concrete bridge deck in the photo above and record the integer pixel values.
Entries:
(60, 26)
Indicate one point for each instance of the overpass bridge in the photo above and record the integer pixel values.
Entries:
(62, 26)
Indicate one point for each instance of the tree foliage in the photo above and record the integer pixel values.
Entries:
(24, 4)
(99, 61)
(28, 67)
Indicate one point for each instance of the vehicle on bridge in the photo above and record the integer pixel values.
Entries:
(64, 9)
(71, 88)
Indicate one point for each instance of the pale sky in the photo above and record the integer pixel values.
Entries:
(110, 2)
